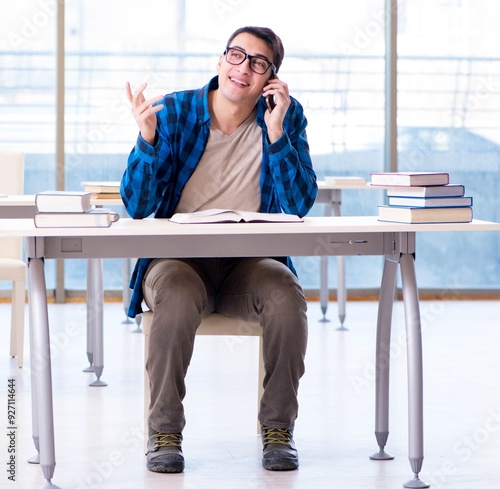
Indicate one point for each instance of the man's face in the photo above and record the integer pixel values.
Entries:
(239, 83)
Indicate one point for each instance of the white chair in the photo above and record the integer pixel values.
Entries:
(214, 324)
(12, 267)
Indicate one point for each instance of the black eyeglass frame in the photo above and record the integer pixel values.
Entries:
(249, 57)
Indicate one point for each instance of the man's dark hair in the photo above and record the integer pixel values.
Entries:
(268, 36)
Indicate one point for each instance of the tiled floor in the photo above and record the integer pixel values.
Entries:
(99, 441)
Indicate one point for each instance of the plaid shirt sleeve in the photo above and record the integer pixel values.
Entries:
(147, 184)
(291, 176)
(139, 182)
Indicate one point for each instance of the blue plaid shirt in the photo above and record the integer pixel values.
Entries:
(156, 175)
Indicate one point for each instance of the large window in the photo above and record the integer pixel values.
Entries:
(449, 106)
(27, 92)
(448, 99)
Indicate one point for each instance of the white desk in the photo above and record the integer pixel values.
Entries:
(315, 237)
(330, 194)
(23, 206)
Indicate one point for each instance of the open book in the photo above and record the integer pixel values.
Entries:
(225, 215)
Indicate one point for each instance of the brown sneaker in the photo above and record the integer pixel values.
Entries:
(164, 452)
(279, 449)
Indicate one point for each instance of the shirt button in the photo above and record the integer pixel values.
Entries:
(153, 155)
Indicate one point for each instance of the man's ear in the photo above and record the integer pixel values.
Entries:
(219, 63)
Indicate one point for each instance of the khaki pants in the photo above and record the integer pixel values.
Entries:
(181, 292)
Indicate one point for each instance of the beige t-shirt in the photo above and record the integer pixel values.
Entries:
(228, 174)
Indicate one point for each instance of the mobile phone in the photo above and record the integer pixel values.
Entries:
(271, 104)
(270, 100)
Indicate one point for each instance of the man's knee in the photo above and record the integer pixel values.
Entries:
(173, 280)
(284, 295)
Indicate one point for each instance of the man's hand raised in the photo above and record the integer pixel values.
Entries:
(274, 119)
(143, 111)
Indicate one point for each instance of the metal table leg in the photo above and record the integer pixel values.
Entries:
(90, 320)
(95, 307)
(323, 288)
(333, 207)
(341, 285)
(126, 269)
(415, 368)
(34, 411)
(382, 358)
(323, 279)
(42, 366)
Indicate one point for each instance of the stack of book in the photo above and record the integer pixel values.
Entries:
(422, 197)
(103, 190)
(70, 209)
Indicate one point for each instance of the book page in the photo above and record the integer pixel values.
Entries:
(226, 215)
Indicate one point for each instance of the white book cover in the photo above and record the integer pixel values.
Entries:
(410, 215)
(63, 201)
(430, 201)
(396, 179)
(450, 190)
(99, 217)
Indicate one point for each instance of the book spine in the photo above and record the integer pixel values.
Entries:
(433, 202)
(70, 220)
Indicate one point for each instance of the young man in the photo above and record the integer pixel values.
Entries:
(222, 147)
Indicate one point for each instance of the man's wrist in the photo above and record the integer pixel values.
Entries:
(148, 138)
(274, 135)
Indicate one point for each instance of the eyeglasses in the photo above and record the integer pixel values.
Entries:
(258, 64)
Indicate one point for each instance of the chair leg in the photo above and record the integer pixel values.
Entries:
(13, 330)
(17, 321)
